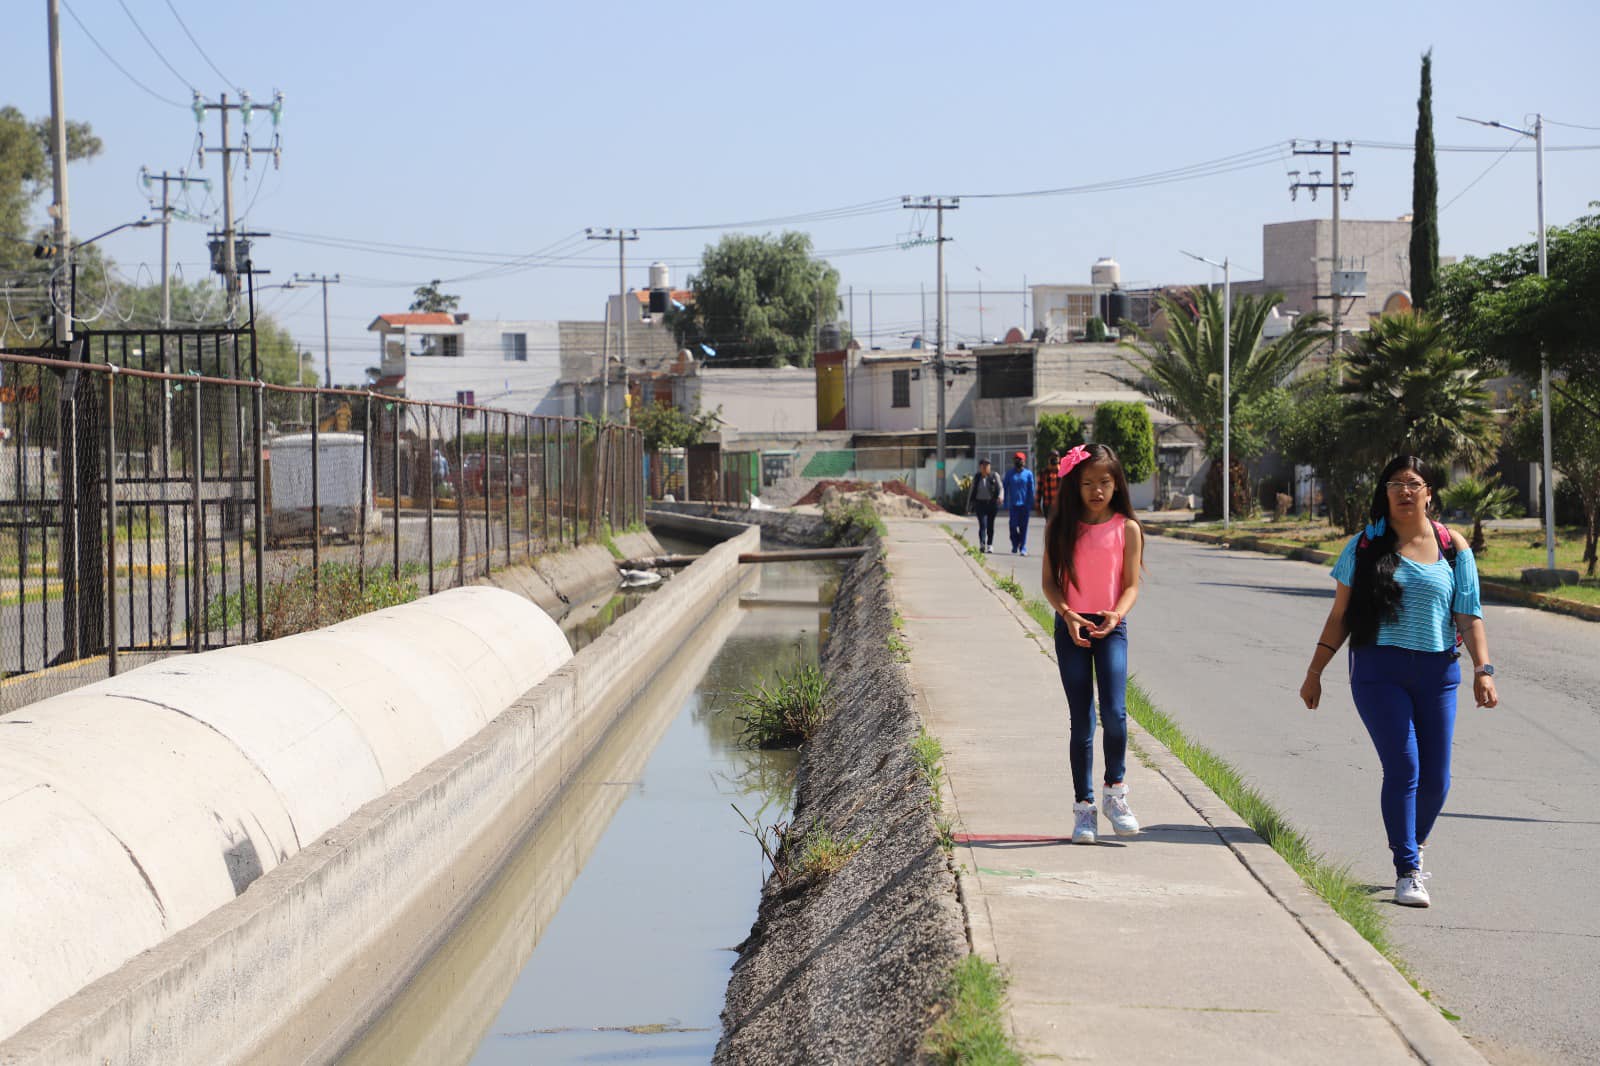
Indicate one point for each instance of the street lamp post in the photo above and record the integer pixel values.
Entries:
(1547, 475)
(1227, 382)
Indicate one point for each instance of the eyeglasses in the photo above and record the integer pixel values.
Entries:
(1401, 487)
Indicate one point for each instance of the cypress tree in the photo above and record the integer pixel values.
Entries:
(1424, 197)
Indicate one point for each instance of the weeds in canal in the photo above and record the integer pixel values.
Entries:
(853, 523)
(784, 711)
(819, 853)
(769, 837)
(973, 1029)
(1347, 896)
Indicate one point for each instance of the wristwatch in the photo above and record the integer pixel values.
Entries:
(1487, 670)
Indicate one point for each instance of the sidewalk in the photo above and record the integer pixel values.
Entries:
(1191, 943)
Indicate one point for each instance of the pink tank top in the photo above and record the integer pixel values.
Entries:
(1097, 558)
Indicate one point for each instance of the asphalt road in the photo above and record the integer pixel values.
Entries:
(1221, 639)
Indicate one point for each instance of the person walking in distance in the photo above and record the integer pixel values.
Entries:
(1019, 501)
(1093, 552)
(983, 500)
(1047, 484)
(1407, 598)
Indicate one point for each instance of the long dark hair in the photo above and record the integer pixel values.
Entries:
(1061, 529)
(1374, 592)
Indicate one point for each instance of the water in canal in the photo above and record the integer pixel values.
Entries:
(608, 936)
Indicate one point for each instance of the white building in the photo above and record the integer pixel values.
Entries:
(898, 391)
(454, 358)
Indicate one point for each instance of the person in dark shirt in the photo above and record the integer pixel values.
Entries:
(983, 500)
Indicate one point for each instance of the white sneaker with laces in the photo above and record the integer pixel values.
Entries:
(1409, 891)
(1115, 805)
(1085, 823)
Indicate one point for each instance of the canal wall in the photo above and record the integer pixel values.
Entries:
(852, 967)
(305, 953)
(781, 527)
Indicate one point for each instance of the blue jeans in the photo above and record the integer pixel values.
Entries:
(1104, 664)
(1019, 528)
(1407, 701)
(985, 510)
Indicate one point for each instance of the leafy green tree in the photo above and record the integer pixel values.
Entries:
(1055, 433)
(1481, 500)
(1181, 372)
(24, 177)
(664, 426)
(1424, 198)
(429, 298)
(1317, 431)
(757, 300)
(1575, 448)
(1413, 394)
(1126, 428)
(1501, 313)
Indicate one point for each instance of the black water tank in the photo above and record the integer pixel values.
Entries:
(1121, 308)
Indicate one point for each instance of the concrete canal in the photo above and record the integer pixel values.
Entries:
(609, 934)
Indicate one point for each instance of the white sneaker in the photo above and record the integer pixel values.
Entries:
(1085, 823)
(1115, 804)
(1409, 890)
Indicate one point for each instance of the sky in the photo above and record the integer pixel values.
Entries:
(466, 137)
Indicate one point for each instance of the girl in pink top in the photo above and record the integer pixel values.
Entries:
(1093, 550)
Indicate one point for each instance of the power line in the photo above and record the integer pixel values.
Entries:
(1255, 157)
(187, 84)
(225, 79)
(1568, 125)
(1407, 146)
(113, 61)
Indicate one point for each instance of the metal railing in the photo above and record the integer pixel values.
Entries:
(145, 512)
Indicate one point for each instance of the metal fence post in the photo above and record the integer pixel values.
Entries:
(488, 509)
(316, 506)
(197, 604)
(394, 466)
(461, 504)
(369, 484)
(527, 487)
(544, 484)
(427, 436)
(111, 523)
(505, 423)
(260, 470)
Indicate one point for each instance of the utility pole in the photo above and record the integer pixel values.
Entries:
(62, 310)
(167, 181)
(622, 237)
(327, 348)
(939, 205)
(1227, 381)
(1342, 183)
(229, 264)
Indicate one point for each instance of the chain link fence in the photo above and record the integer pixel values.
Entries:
(155, 498)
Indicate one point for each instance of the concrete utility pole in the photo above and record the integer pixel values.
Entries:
(62, 312)
(622, 237)
(230, 265)
(1342, 183)
(1227, 381)
(167, 181)
(327, 348)
(939, 205)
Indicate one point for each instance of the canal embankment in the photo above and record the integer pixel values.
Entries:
(289, 969)
(852, 966)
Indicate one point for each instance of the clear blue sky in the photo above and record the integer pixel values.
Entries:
(507, 127)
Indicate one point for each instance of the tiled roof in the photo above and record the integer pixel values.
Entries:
(416, 318)
(683, 296)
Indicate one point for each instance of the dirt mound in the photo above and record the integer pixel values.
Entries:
(893, 488)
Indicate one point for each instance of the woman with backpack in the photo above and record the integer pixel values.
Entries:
(1407, 598)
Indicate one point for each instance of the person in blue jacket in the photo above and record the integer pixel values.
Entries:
(1019, 501)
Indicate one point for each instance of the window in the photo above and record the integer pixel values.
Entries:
(514, 347)
(1005, 376)
(450, 345)
(902, 389)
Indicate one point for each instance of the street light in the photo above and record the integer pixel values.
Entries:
(1537, 133)
(1227, 381)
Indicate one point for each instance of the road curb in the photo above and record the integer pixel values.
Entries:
(1431, 1038)
(1499, 591)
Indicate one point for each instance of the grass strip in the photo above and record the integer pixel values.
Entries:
(1347, 896)
(974, 1032)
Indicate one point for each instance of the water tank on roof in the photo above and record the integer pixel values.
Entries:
(1119, 308)
(830, 338)
(660, 276)
(1105, 272)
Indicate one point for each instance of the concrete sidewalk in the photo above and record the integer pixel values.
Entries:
(1193, 942)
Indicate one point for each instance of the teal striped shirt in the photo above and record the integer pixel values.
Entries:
(1431, 595)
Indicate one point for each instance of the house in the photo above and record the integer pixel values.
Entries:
(455, 358)
(1374, 256)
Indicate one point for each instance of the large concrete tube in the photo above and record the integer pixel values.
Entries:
(133, 807)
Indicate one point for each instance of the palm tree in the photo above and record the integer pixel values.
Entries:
(1481, 500)
(1181, 372)
(1413, 394)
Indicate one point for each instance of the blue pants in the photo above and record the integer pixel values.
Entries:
(1104, 664)
(985, 510)
(1407, 701)
(1019, 529)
